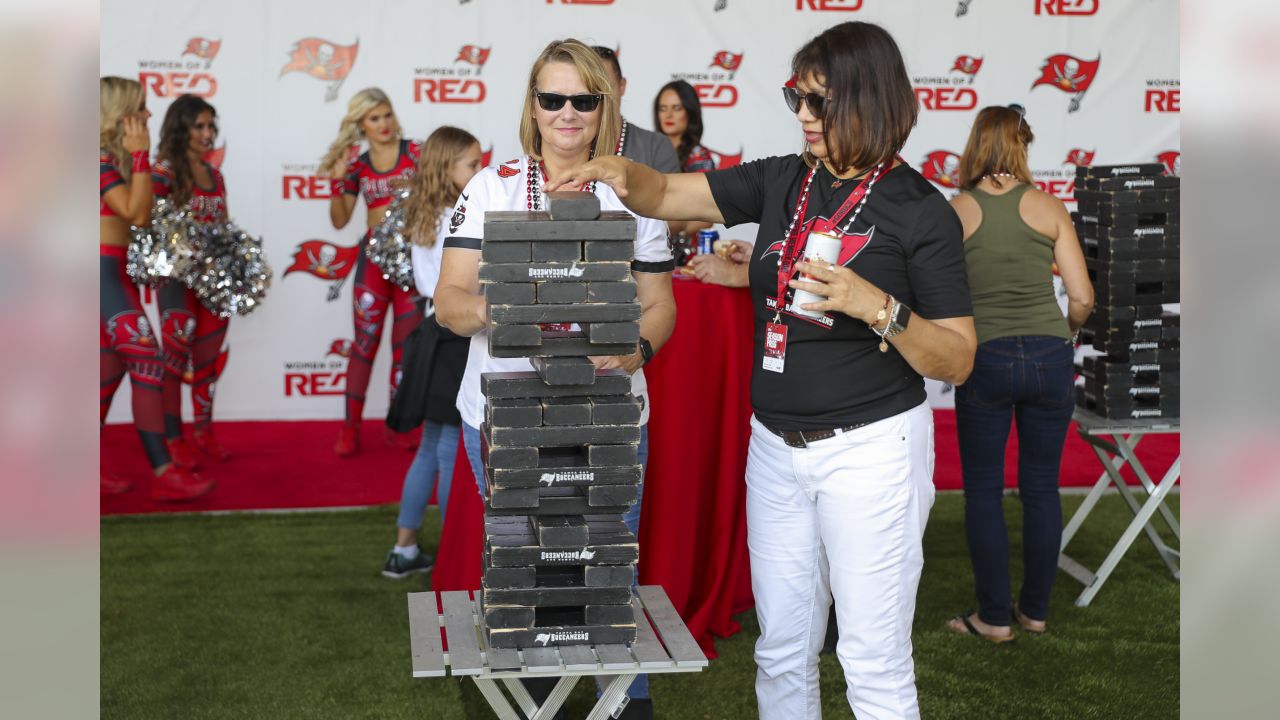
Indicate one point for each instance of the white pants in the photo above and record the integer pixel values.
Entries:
(844, 517)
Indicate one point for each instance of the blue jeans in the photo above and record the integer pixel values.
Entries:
(436, 452)
(471, 440)
(1029, 379)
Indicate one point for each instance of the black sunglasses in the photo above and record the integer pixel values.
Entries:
(1022, 114)
(816, 102)
(584, 103)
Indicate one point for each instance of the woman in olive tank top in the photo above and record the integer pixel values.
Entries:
(1023, 371)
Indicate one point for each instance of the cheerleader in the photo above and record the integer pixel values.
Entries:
(127, 343)
(376, 174)
(192, 335)
(450, 158)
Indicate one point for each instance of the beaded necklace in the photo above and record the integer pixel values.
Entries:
(533, 179)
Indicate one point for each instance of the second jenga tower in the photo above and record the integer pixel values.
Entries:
(561, 441)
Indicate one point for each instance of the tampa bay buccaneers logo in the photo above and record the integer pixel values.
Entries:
(1172, 161)
(323, 60)
(459, 215)
(942, 167)
(203, 48)
(131, 328)
(323, 259)
(967, 64)
(475, 55)
(727, 61)
(851, 244)
(340, 347)
(723, 160)
(1069, 74)
(505, 170)
(1079, 157)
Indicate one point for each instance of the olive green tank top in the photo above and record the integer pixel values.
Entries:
(1010, 268)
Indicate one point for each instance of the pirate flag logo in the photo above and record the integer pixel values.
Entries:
(726, 60)
(722, 160)
(324, 61)
(967, 64)
(203, 48)
(475, 55)
(942, 167)
(323, 259)
(1079, 157)
(1069, 74)
(1172, 161)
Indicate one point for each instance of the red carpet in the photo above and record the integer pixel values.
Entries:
(292, 465)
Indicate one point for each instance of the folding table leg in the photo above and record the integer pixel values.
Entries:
(522, 697)
(1145, 479)
(497, 701)
(1166, 553)
(1122, 546)
(557, 697)
(611, 696)
(1098, 446)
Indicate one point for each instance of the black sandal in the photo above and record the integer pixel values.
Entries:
(970, 629)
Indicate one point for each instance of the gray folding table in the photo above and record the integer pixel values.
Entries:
(663, 645)
(1114, 442)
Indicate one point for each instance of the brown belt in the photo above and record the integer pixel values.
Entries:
(802, 438)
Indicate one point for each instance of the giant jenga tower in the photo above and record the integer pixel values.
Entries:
(1129, 227)
(561, 459)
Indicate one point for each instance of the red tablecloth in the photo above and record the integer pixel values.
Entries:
(693, 533)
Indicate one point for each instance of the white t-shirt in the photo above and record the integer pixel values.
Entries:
(504, 188)
(426, 260)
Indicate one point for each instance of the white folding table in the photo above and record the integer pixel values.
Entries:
(663, 645)
(1114, 442)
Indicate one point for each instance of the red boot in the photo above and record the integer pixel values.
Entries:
(348, 443)
(176, 485)
(206, 443)
(113, 485)
(182, 454)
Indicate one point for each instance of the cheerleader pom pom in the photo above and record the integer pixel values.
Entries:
(163, 250)
(231, 276)
(389, 249)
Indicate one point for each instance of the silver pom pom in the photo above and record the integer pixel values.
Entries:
(163, 250)
(389, 249)
(230, 274)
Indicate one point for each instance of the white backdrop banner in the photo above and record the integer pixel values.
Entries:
(1099, 79)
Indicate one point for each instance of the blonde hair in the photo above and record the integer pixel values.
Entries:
(594, 76)
(349, 132)
(117, 98)
(433, 191)
(997, 144)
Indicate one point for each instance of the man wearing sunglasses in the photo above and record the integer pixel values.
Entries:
(643, 146)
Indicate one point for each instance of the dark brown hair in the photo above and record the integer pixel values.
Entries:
(872, 106)
(175, 139)
(693, 112)
(997, 144)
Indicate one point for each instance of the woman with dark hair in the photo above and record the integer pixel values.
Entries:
(1024, 369)
(192, 334)
(840, 467)
(127, 343)
(678, 115)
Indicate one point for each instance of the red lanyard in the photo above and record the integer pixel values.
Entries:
(792, 248)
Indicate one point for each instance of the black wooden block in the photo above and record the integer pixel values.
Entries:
(564, 370)
(610, 292)
(612, 495)
(507, 252)
(608, 614)
(561, 635)
(518, 225)
(510, 293)
(503, 478)
(549, 505)
(555, 272)
(510, 457)
(508, 617)
(600, 525)
(519, 577)
(513, 412)
(1129, 183)
(566, 410)
(626, 332)
(594, 435)
(560, 530)
(518, 499)
(597, 250)
(572, 205)
(1129, 233)
(561, 292)
(616, 551)
(514, 335)
(605, 455)
(1127, 218)
(528, 384)
(615, 410)
(608, 575)
(564, 313)
(563, 457)
(564, 345)
(558, 597)
(556, 251)
(1108, 171)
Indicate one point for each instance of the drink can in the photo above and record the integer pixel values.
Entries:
(819, 248)
(706, 241)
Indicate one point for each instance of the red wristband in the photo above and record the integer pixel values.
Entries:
(140, 162)
(336, 186)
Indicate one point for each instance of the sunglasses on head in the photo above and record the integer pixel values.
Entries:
(816, 102)
(1022, 114)
(584, 103)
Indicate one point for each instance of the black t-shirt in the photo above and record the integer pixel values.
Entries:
(835, 374)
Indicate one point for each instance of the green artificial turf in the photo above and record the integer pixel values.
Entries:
(287, 616)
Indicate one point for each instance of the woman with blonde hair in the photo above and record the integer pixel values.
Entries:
(1023, 371)
(376, 174)
(127, 342)
(570, 114)
(450, 158)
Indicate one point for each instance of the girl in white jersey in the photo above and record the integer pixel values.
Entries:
(570, 114)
